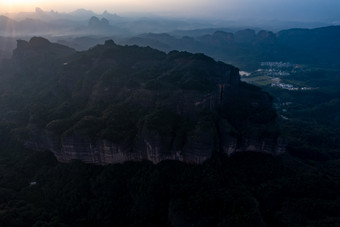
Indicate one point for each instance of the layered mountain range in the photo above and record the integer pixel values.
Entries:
(226, 41)
(115, 103)
(248, 48)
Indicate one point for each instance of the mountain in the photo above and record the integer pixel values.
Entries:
(245, 48)
(248, 48)
(82, 13)
(7, 45)
(319, 46)
(52, 23)
(39, 49)
(95, 22)
(30, 27)
(7, 24)
(115, 103)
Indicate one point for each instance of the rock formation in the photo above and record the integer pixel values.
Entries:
(113, 104)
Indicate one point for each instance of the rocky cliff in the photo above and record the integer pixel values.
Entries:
(112, 104)
(149, 147)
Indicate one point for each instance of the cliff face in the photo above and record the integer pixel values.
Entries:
(113, 104)
(149, 147)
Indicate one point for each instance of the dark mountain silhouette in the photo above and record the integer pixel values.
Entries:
(94, 22)
(39, 48)
(113, 104)
(247, 48)
(82, 13)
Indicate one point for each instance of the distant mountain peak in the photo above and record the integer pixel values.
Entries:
(104, 21)
(41, 47)
(39, 10)
(82, 12)
(94, 22)
(39, 41)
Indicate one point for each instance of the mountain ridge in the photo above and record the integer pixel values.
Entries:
(117, 103)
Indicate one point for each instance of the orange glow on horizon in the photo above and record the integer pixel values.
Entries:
(16, 6)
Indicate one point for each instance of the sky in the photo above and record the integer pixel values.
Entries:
(298, 10)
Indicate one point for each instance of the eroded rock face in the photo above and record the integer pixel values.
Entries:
(113, 104)
(102, 152)
(149, 145)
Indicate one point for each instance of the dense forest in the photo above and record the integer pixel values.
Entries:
(248, 189)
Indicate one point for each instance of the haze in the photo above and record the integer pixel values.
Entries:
(302, 10)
